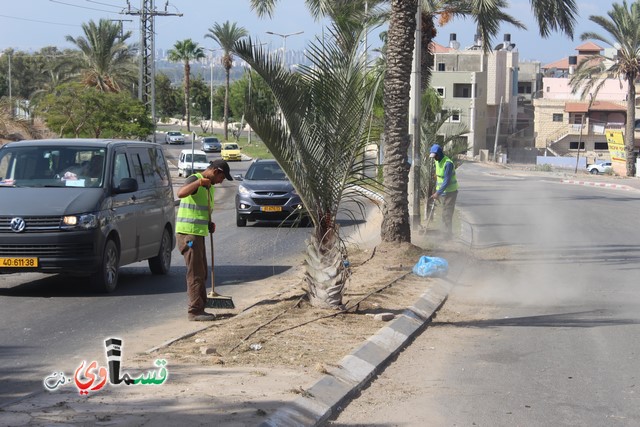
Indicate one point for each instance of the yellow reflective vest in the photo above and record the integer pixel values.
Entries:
(453, 182)
(193, 213)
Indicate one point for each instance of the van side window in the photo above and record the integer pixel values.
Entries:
(120, 169)
(143, 167)
(159, 167)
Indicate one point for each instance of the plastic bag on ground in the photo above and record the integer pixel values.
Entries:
(431, 267)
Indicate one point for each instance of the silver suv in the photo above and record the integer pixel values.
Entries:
(266, 193)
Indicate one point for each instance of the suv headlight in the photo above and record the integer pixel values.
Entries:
(82, 222)
(242, 189)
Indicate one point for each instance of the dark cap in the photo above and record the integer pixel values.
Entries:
(223, 166)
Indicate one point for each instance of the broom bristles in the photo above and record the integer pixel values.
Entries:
(219, 301)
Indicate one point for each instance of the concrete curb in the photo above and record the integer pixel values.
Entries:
(325, 397)
(599, 184)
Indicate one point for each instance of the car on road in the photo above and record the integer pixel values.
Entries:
(265, 193)
(597, 168)
(230, 151)
(211, 144)
(85, 207)
(186, 167)
(174, 137)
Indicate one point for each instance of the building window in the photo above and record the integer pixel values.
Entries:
(524, 87)
(600, 146)
(576, 118)
(455, 116)
(441, 66)
(440, 92)
(462, 90)
(557, 117)
(573, 145)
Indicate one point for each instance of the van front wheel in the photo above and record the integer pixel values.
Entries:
(161, 263)
(106, 278)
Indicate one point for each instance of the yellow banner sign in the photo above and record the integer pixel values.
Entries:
(615, 140)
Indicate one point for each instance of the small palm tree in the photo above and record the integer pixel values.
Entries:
(226, 35)
(186, 51)
(108, 62)
(591, 74)
(316, 138)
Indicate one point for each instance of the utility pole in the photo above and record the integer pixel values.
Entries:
(146, 79)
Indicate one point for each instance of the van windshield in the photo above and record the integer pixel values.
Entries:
(52, 166)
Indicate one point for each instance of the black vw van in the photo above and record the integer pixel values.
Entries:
(85, 207)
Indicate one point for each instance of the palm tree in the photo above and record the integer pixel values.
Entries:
(226, 35)
(108, 62)
(321, 129)
(186, 51)
(551, 15)
(591, 74)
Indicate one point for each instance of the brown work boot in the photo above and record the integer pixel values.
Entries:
(202, 317)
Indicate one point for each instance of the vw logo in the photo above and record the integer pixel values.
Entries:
(17, 224)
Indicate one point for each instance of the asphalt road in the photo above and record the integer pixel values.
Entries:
(541, 330)
(50, 323)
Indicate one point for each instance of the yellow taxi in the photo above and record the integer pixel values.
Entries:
(230, 151)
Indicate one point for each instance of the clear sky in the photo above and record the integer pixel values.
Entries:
(33, 24)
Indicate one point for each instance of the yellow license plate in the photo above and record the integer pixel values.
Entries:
(271, 208)
(19, 262)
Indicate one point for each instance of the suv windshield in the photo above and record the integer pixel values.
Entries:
(52, 166)
(266, 171)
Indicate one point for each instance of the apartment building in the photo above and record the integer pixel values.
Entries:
(478, 88)
(567, 123)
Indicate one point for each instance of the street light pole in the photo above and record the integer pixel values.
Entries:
(284, 43)
(211, 86)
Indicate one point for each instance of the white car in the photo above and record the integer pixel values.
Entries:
(596, 168)
(174, 137)
(186, 167)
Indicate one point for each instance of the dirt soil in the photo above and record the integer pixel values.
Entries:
(285, 330)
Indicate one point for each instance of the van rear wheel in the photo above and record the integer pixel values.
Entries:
(161, 263)
(106, 278)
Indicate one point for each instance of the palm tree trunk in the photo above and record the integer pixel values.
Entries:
(629, 129)
(226, 104)
(187, 71)
(325, 274)
(395, 225)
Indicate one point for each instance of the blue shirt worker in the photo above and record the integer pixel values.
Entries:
(193, 224)
(446, 186)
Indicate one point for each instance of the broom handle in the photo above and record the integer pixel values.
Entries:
(210, 241)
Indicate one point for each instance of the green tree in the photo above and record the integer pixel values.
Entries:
(200, 98)
(186, 51)
(107, 61)
(75, 110)
(226, 35)
(621, 25)
(169, 100)
(321, 129)
(251, 88)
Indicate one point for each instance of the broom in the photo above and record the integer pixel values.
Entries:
(215, 300)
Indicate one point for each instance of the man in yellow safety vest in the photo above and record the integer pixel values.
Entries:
(193, 224)
(446, 186)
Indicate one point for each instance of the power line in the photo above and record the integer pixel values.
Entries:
(81, 7)
(40, 22)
